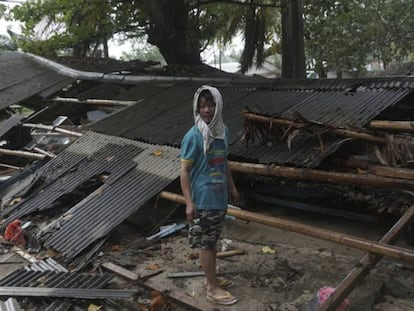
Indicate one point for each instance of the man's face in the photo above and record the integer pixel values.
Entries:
(207, 110)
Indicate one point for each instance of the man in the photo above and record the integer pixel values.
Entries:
(206, 182)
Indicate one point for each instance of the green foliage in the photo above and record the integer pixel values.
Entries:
(341, 35)
(345, 34)
(50, 26)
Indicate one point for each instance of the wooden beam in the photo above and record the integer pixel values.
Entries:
(365, 180)
(323, 234)
(365, 265)
(392, 125)
(175, 295)
(382, 170)
(289, 123)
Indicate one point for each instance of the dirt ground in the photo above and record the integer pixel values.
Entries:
(280, 270)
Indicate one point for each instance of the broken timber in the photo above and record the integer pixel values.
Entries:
(52, 128)
(149, 284)
(365, 265)
(365, 180)
(295, 124)
(323, 234)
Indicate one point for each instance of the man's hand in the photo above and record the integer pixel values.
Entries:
(234, 196)
(190, 212)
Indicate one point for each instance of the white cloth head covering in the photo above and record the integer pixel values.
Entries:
(215, 129)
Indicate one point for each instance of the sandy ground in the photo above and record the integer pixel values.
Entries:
(281, 270)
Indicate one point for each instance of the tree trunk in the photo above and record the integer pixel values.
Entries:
(293, 47)
(171, 33)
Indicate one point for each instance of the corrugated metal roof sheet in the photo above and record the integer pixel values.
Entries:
(46, 265)
(166, 116)
(135, 176)
(346, 109)
(22, 78)
(6, 125)
(10, 304)
(52, 279)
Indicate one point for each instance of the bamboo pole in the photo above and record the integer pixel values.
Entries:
(392, 125)
(92, 101)
(365, 265)
(44, 152)
(18, 168)
(342, 132)
(52, 128)
(23, 154)
(340, 238)
(365, 180)
(381, 170)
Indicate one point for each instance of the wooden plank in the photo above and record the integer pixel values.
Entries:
(365, 265)
(177, 296)
(24, 254)
(130, 275)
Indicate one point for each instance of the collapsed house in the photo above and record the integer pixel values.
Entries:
(295, 144)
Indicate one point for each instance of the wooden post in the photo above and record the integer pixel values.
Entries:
(342, 132)
(340, 238)
(322, 176)
(365, 265)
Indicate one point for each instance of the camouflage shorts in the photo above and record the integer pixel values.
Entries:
(206, 230)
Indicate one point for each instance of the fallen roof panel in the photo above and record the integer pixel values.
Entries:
(165, 117)
(24, 278)
(136, 174)
(23, 78)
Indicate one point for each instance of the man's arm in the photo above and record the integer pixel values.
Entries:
(186, 189)
(233, 193)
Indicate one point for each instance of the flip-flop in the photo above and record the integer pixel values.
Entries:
(226, 299)
(224, 283)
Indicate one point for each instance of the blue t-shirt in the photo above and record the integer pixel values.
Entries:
(208, 175)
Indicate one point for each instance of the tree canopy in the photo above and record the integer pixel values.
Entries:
(341, 35)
